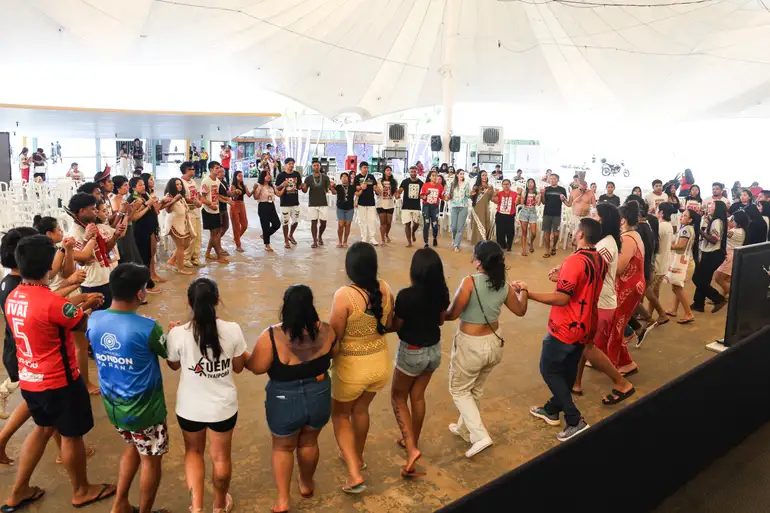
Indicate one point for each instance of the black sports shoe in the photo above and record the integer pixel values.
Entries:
(435, 242)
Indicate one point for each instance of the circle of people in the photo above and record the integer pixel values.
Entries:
(56, 311)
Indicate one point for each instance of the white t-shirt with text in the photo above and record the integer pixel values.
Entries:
(608, 249)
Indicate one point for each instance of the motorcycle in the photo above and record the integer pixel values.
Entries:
(613, 169)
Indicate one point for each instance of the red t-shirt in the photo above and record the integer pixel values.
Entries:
(506, 202)
(581, 277)
(41, 323)
(226, 156)
(432, 192)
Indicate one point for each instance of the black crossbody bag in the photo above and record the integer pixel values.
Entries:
(486, 320)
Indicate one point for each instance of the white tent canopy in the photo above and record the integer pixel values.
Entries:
(665, 59)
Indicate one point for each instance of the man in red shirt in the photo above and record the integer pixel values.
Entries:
(571, 324)
(42, 324)
(431, 195)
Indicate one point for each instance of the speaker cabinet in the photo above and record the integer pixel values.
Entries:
(435, 143)
(454, 143)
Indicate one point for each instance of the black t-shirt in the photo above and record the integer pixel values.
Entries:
(345, 196)
(411, 198)
(9, 283)
(552, 200)
(614, 200)
(749, 209)
(366, 199)
(290, 196)
(421, 321)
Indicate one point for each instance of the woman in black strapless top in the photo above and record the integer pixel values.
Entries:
(296, 355)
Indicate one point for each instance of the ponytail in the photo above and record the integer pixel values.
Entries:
(203, 297)
(492, 259)
(44, 224)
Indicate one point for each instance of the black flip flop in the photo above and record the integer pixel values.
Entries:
(36, 495)
(616, 396)
(99, 497)
(629, 373)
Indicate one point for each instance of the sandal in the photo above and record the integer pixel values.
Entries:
(355, 489)
(547, 255)
(671, 314)
(229, 504)
(616, 396)
(578, 393)
(106, 492)
(37, 494)
(686, 321)
(553, 252)
(630, 373)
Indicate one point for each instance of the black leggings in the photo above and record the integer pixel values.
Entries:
(268, 218)
(704, 272)
(143, 237)
(505, 226)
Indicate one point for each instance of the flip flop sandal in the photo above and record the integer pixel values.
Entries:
(135, 509)
(685, 321)
(616, 396)
(661, 322)
(547, 255)
(355, 489)
(37, 494)
(578, 393)
(413, 474)
(553, 252)
(104, 493)
(671, 314)
(229, 505)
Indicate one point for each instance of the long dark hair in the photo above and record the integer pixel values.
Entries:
(720, 212)
(690, 196)
(203, 297)
(44, 224)
(534, 187)
(696, 220)
(492, 259)
(630, 212)
(741, 219)
(688, 177)
(361, 268)
(298, 314)
(261, 179)
(132, 185)
(171, 189)
(652, 220)
(241, 186)
(427, 275)
(610, 221)
(146, 179)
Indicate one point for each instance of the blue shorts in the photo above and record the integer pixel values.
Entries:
(528, 215)
(345, 215)
(292, 405)
(414, 361)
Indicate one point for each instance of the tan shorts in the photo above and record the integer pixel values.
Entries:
(411, 216)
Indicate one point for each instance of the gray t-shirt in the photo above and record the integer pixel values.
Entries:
(317, 188)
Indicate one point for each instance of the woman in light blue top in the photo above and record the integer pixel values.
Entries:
(459, 196)
(478, 344)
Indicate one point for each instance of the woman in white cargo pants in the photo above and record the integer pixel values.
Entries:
(478, 344)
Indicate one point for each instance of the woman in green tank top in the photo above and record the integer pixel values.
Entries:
(478, 344)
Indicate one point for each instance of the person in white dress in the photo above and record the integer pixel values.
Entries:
(177, 224)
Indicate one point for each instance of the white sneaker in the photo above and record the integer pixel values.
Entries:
(457, 430)
(478, 447)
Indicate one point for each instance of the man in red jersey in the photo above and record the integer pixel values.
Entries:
(571, 324)
(42, 324)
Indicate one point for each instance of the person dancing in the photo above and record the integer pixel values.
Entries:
(629, 286)
(736, 236)
(459, 195)
(238, 218)
(478, 343)
(306, 345)
(529, 200)
(419, 313)
(683, 250)
(410, 205)
(264, 193)
(360, 315)
(713, 249)
(431, 195)
(178, 224)
(345, 208)
(386, 204)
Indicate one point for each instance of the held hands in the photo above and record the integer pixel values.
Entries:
(76, 278)
(553, 274)
(518, 286)
(91, 231)
(173, 324)
(93, 300)
(68, 243)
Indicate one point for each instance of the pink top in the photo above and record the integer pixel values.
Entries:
(265, 194)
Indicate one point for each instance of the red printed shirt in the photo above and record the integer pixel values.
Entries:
(506, 202)
(432, 192)
(581, 277)
(42, 324)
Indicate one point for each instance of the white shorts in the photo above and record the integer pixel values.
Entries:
(411, 216)
(290, 215)
(317, 213)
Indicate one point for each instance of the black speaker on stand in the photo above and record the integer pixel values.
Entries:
(435, 143)
(454, 143)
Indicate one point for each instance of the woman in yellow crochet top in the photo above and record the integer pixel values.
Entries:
(361, 313)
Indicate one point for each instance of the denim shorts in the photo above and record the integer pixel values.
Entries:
(292, 405)
(528, 215)
(345, 215)
(414, 362)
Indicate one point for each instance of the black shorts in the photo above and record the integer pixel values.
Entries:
(211, 221)
(223, 426)
(385, 210)
(68, 409)
(10, 361)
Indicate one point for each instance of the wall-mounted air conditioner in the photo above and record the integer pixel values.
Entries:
(395, 135)
(491, 140)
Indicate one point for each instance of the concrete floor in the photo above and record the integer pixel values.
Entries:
(252, 285)
(738, 482)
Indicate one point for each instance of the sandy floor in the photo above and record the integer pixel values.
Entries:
(252, 286)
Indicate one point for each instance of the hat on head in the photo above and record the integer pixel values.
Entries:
(103, 175)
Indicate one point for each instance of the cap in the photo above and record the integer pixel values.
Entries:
(102, 175)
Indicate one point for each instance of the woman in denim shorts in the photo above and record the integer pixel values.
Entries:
(295, 354)
(419, 314)
(529, 201)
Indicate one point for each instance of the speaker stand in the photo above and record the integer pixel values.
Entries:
(717, 346)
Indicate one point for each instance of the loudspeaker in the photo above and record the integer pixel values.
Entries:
(435, 143)
(454, 143)
(5, 157)
(158, 153)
